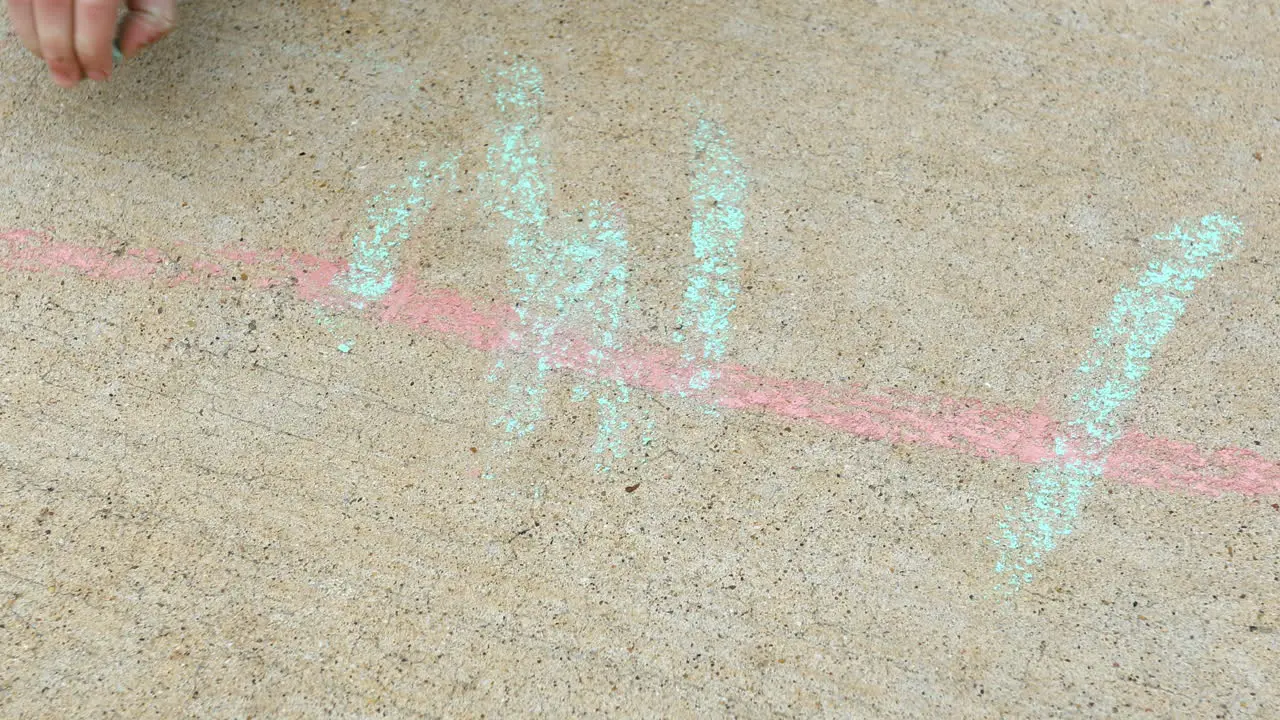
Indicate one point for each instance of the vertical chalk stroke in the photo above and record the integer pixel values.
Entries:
(1107, 381)
(565, 285)
(518, 193)
(718, 190)
(592, 298)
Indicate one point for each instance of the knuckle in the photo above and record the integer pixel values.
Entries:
(58, 55)
(96, 12)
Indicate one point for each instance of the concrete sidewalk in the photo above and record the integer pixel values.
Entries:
(851, 359)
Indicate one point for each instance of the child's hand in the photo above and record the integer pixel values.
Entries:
(74, 37)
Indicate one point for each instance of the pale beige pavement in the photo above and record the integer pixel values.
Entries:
(207, 509)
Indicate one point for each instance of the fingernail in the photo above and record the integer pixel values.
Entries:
(97, 76)
(64, 80)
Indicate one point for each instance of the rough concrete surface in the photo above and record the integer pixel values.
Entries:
(483, 359)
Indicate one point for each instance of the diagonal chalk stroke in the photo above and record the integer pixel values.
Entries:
(391, 214)
(959, 425)
(370, 273)
(1107, 381)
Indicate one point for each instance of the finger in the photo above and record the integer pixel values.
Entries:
(95, 28)
(147, 22)
(21, 16)
(53, 26)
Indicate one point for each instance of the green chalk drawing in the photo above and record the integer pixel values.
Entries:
(334, 327)
(718, 191)
(592, 297)
(562, 284)
(370, 274)
(518, 193)
(1108, 380)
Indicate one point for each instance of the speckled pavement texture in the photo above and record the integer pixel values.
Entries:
(678, 397)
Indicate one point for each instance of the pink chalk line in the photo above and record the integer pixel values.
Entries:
(960, 424)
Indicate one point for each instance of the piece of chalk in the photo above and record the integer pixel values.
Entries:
(117, 57)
